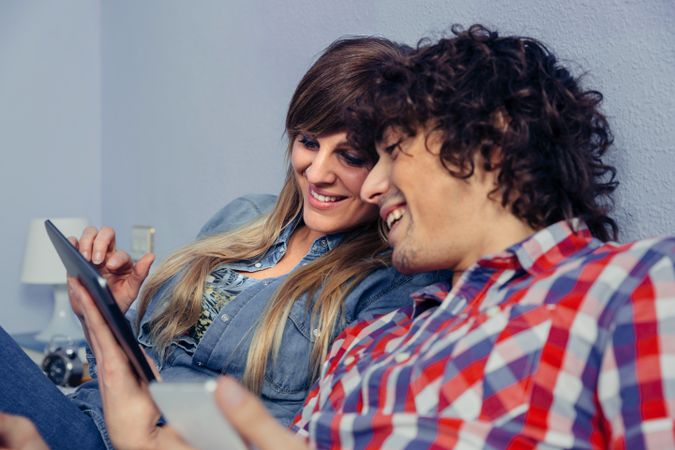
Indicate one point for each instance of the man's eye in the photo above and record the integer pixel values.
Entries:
(308, 142)
(390, 149)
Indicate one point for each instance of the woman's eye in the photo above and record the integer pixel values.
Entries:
(354, 160)
(308, 142)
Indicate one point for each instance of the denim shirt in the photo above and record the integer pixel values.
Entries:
(224, 347)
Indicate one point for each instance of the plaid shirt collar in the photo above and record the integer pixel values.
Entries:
(537, 253)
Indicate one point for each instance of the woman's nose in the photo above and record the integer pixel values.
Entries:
(322, 169)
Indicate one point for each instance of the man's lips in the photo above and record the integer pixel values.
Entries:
(392, 214)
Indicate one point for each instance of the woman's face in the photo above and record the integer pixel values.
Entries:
(329, 174)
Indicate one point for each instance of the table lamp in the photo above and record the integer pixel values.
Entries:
(42, 265)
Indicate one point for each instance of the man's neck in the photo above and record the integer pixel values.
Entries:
(502, 232)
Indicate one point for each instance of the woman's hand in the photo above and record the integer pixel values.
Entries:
(123, 275)
(130, 413)
(19, 433)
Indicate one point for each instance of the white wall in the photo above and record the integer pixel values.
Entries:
(193, 97)
(50, 134)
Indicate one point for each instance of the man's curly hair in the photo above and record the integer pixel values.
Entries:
(505, 103)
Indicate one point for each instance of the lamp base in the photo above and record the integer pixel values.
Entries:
(63, 322)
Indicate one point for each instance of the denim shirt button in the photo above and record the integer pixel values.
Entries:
(258, 265)
(316, 332)
(224, 317)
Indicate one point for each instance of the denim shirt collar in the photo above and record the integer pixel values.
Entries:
(320, 246)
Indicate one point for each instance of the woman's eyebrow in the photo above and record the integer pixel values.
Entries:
(344, 143)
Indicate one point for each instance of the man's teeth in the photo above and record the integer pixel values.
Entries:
(323, 198)
(394, 216)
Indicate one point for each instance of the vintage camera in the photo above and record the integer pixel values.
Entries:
(62, 364)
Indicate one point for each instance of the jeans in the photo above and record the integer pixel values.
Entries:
(25, 390)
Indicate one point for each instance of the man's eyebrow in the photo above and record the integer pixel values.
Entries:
(392, 140)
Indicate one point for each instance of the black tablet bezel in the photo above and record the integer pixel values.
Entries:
(97, 286)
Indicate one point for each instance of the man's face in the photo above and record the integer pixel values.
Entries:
(434, 220)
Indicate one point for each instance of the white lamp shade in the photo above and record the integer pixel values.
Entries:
(41, 263)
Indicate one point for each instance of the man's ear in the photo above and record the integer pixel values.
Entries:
(433, 138)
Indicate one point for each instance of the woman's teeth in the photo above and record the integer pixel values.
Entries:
(323, 198)
(394, 216)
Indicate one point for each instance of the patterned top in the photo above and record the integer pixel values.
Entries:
(559, 341)
(222, 285)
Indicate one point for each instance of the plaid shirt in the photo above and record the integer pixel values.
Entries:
(559, 341)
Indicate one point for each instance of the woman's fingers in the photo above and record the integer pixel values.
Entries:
(142, 268)
(82, 303)
(95, 245)
(86, 242)
(251, 419)
(73, 240)
(104, 243)
(101, 339)
(124, 276)
(75, 306)
(120, 263)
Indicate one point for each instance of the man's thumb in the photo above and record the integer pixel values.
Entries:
(249, 417)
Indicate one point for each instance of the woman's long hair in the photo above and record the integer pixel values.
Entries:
(335, 80)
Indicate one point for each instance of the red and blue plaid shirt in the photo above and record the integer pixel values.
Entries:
(559, 341)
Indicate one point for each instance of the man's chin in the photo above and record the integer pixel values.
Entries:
(404, 262)
(410, 261)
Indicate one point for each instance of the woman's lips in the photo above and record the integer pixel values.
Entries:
(323, 200)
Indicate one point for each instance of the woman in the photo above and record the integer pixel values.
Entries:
(270, 283)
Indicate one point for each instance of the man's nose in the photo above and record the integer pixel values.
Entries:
(376, 183)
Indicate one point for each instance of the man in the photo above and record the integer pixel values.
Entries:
(490, 164)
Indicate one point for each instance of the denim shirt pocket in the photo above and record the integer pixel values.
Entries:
(289, 374)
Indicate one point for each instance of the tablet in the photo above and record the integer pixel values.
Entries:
(190, 408)
(97, 286)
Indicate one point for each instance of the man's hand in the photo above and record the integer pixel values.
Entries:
(250, 418)
(19, 433)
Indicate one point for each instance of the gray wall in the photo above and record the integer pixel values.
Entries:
(50, 134)
(193, 96)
